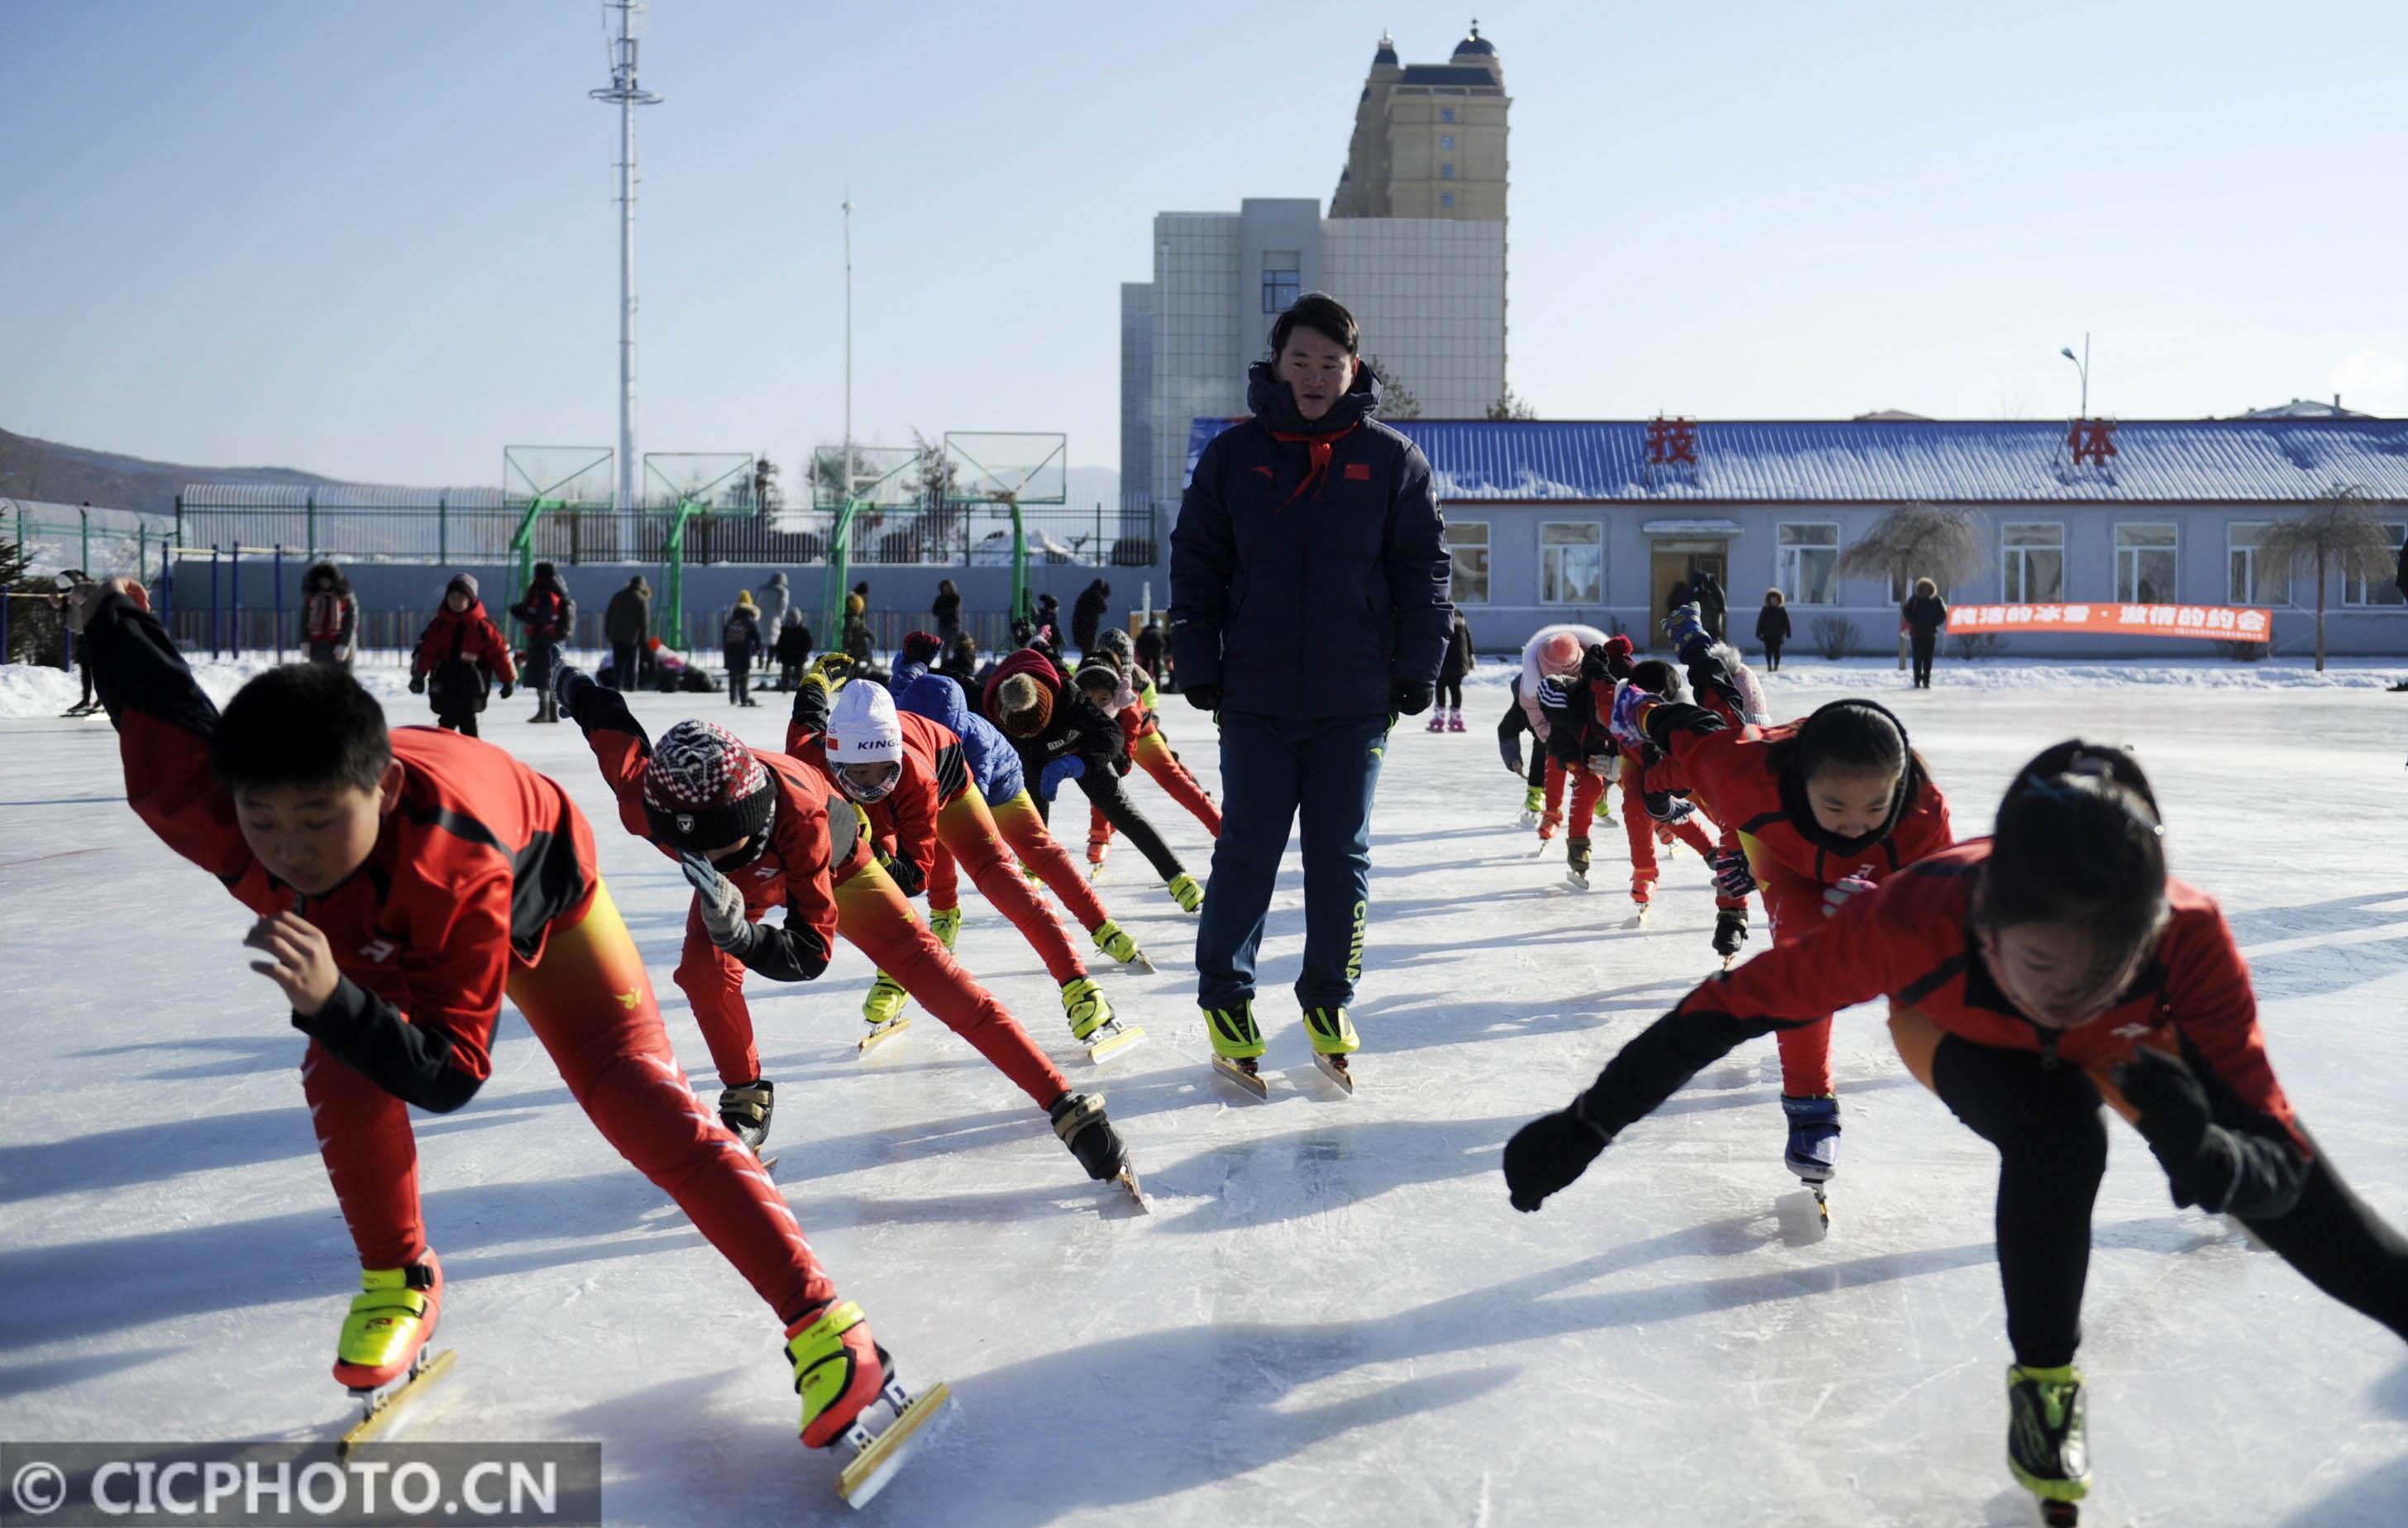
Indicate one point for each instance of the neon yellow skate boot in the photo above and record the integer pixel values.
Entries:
(1187, 892)
(2045, 1423)
(391, 1319)
(1085, 1006)
(839, 1370)
(946, 923)
(884, 1004)
(1333, 1040)
(1114, 941)
(1237, 1046)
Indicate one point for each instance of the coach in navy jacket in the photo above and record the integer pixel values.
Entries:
(1307, 607)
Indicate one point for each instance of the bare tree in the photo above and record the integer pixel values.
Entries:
(1397, 400)
(1942, 542)
(2337, 531)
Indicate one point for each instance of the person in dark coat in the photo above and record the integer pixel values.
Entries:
(1307, 607)
(1712, 604)
(961, 663)
(1447, 715)
(793, 652)
(550, 618)
(947, 608)
(330, 615)
(625, 623)
(1153, 651)
(1088, 613)
(740, 644)
(1772, 627)
(1922, 617)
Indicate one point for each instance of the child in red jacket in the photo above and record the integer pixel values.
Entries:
(405, 882)
(460, 653)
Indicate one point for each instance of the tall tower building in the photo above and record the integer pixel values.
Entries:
(1429, 138)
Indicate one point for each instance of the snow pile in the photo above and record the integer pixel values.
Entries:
(30, 691)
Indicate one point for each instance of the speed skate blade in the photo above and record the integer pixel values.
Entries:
(1574, 880)
(876, 1460)
(1540, 852)
(1115, 1038)
(1253, 1082)
(1334, 1068)
(1127, 1179)
(1143, 964)
(1728, 961)
(1637, 918)
(387, 1409)
(881, 1034)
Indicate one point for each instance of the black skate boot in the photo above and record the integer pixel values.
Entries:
(2045, 1446)
(1079, 1120)
(745, 1111)
(1576, 862)
(1731, 931)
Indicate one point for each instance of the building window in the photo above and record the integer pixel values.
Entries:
(1446, 172)
(1807, 556)
(2146, 556)
(1281, 279)
(1446, 143)
(1446, 114)
(2032, 558)
(2378, 590)
(1446, 198)
(1467, 543)
(2253, 578)
(1572, 563)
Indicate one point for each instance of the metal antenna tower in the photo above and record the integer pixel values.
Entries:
(623, 93)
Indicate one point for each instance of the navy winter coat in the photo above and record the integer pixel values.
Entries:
(1303, 594)
(994, 763)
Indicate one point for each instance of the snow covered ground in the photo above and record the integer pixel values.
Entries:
(1333, 1317)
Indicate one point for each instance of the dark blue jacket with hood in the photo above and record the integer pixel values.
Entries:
(1309, 568)
(994, 764)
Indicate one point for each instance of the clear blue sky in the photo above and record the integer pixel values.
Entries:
(377, 240)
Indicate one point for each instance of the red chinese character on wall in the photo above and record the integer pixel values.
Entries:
(1670, 440)
(2092, 439)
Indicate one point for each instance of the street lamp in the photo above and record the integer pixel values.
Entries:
(2082, 365)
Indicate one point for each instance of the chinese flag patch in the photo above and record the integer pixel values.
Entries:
(1358, 472)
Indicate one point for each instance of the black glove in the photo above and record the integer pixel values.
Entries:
(909, 876)
(2218, 1169)
(1548, 1153)
(1204, 698)
(1512, 757)
(1411, 697)
(418, 684)
(507, 685)
(1676, 716)
(1732, 874)
(567, 680)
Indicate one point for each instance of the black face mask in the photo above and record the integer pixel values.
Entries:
(753, 849)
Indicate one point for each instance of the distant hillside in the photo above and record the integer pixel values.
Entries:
(1092, 485)
(44, 469)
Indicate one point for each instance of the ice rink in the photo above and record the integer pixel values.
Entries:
(1332, 1316)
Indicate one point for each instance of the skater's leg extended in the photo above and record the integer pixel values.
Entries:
(1037, 849)
(2341, 1247)
(590, 1004)
(967, 830)
(1797, 910)
(371, 1158)
(872, 914)
(1586, 786)
(1259, 782)
(1340, 761)
(713, 983)
(1154, 757)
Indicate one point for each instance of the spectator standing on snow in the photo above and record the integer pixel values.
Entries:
(1920, 618)
(1772, 628)
(793, 650)
(330, 615)
(774, 601)
(1713, 605)
(1447, 716)
(1324, 518)
(550, 618)
(740, 644)
(625, 623)
(1088, 613)
(947, 608)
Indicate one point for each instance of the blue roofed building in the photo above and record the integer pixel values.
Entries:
(1595, 520)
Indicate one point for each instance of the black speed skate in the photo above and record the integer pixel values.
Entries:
(745, 1111)
(1079, 1120)
(1731, 931)
(2046, 1443)
(1576, 864)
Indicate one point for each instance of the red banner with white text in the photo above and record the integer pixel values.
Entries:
(2212, 622)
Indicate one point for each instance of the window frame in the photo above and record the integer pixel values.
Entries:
(2393, 531)
(1445, 200)
(2006, 555)
(1487, 547)
(2173, 595)
(1446, 143)
(1595, 529)
(1785, 567)
(1446, 114)
(2252, 596)
(1446, 172)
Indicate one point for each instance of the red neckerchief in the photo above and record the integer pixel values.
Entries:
(1319, 447)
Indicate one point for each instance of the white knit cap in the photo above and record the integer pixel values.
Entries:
(862, 729)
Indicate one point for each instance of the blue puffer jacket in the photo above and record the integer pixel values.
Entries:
(1309, 588)
(994, 764)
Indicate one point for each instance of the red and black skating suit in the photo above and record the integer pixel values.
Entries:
(1577, 733)
(482, 882)
(2034, 1092)
(1076, 729)
(458, 654)
(815, 861)
(1150, 750)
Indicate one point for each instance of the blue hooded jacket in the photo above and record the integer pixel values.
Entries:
(994, 764)
(1305, 588)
